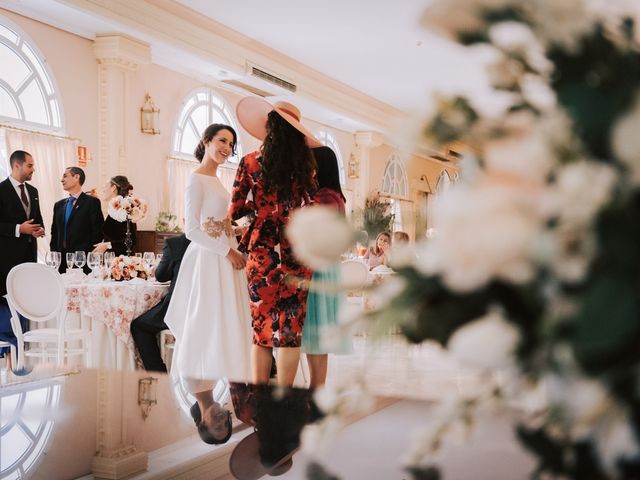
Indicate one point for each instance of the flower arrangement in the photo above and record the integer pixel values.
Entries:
(127, 208)
(127, 268)
(535, 268)
(375, 217)
(167, 222)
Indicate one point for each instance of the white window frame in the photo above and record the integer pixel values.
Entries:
(25, 49)
(215, 104)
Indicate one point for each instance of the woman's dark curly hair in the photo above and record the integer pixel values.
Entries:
(287, 161)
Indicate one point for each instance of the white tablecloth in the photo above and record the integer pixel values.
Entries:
(108, 308)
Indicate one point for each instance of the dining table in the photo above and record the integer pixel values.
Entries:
(107, 308)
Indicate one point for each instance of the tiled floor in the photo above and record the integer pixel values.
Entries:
(393, 367)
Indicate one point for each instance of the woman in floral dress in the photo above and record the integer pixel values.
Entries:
(269, 185)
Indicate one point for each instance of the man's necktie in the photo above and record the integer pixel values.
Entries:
(23, 197)
(67, 213)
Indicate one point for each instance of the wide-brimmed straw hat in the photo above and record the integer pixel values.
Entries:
(245, 463)
(252, 114)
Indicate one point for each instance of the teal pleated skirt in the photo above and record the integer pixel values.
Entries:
(320, 334)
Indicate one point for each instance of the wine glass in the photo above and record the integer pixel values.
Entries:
(81, 259)
(109, 257)
(71, 258)
(93, 261)
(49, 259)
(148, 259)
(56, 259)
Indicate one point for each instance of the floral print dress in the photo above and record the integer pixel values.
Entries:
(278, 304)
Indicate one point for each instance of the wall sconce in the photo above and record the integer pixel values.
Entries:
(147, 395)
(149, 116)
(83, 156)
(353, 166)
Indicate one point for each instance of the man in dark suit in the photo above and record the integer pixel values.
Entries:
(145, 328)
(77, 219)
(20, 226)
(20, 217)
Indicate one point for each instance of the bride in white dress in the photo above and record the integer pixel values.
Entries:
(209, 310)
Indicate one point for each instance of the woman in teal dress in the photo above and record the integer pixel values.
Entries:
(323, 306)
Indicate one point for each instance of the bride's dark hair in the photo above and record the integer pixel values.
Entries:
(287, 161)
(211, 132)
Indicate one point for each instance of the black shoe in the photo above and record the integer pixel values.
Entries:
(195, 413)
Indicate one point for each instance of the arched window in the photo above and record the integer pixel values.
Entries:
(327, 139)
(201, 108)
(444, 182)
(394, 181)
(27, 90)
(26, 427)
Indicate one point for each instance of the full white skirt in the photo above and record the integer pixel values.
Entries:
(210, 317)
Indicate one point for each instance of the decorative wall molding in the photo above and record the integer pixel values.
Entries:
(118, 57)
(170, 23)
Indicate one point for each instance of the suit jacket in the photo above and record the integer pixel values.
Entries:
(16, 250)
(168, 268)
(84, 229)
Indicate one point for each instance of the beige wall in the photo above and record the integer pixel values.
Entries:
(72, 446)
(75, 69)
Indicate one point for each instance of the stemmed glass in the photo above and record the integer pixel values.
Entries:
(71, 258)
(81, 259)
(56, 260)
(109, 257)
(94, 260)
(148, 259)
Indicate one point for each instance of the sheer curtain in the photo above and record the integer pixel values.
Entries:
(51, 156)
(179, 171)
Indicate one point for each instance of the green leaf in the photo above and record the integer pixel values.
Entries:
(607, 328)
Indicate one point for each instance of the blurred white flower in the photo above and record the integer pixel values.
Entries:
(626, 141)
(562, 23)
(526, 155)
(582, 189)
(511, 36)
(451, 17)
(319, 235)
(505, 73)
(484, 232)
(537, 92)
(573, 251)
(615, 439)
(488, 342)
(317, 438)
(582, 401)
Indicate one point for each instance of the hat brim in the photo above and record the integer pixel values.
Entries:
(245, 464)
(252, 114)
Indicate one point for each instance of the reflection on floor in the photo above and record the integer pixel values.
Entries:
(93, 402)
(394, 368)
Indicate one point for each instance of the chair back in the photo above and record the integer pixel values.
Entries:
(35, 291)
(354, 274)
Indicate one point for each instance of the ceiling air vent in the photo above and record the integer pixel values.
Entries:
(259, 73)
(248, 88)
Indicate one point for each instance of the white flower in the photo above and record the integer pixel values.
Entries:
(319, 235)
(562, 23)
(484, 232)
(452, 17)
(511, 36)
(582, 189)
(537, 92)
(615, 439)
(488, 342)
(626, 140)
(317, 438)
(116, 208)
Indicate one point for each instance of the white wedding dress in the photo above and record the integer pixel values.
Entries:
(209, 310)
